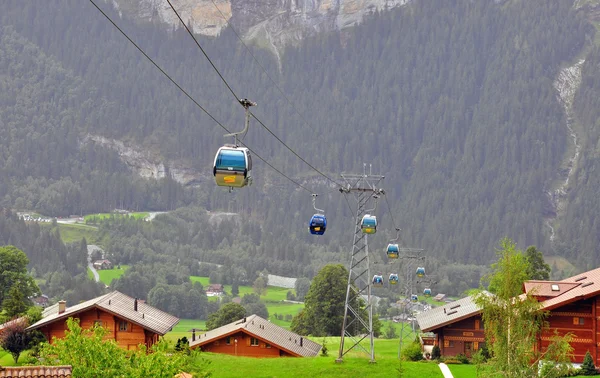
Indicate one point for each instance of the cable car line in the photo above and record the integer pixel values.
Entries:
(391, 213)
(261, 66)
(203, 52)
(190, 97)
(237, 98)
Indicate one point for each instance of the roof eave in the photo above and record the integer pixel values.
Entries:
(466, 316)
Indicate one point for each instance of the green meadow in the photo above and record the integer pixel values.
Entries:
(355, 364)
(108, 275)
(74, 232)
(93, 218)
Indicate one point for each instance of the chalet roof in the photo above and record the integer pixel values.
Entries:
(265, 330)
(547, 289)
(586, 285)
(450, 313)
(101, 261)
(119, 304)
(36, 371)
(215, 287)
(19, 320)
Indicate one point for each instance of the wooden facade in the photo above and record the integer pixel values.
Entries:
(127, 334)
(466, 336)
(581, 319)
(244, 344)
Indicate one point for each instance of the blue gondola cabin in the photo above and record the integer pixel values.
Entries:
(369, 224)
(420, 271)
(377, 280)
(393, 278)
(392, 251)
(414, 298)
(427, 292)
(317, 224)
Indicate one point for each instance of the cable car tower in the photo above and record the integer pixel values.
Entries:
(409, 257)
(354, 327)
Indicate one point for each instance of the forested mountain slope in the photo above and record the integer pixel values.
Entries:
(452, 101)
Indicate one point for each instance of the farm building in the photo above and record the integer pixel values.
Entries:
(214, 290)
(254, 336)
(102, 264)
(573, 305)
(130, 321)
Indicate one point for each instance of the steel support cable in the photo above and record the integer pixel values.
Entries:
(262, 67)
(190, 97)
(391, 213)
(237, 98)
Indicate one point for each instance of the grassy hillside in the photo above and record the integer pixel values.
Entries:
(355, 364)
(70, 233)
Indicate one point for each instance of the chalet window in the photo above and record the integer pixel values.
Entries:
(228, 340)
(268, 346)
(123, 324)
(97, 323)
(448, 343)
(254, 341)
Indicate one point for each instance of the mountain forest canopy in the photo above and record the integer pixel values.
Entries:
(453, 102)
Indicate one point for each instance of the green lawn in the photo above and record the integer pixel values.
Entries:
(466, 371)
(6, 358)
(70, 233)
(183, 327)
(93, 218)
(356, 364)
(107, 275)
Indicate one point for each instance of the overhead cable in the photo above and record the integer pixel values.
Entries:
(237, 98)
(190, 97)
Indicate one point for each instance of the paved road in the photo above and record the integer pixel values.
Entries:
(445, 370)
(90, 249)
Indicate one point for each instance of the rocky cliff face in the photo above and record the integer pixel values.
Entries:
(276, 22)
(147, 164)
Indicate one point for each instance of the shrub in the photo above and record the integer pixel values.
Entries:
(324, 350)
(413, 352)
(452, 361)
(587, 367)
(436, 353)
(462, 358)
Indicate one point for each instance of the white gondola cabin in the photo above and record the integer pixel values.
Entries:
(369, 224)
(393, 279)
(427, 292)
(232, 166)
(378, 280)
(420, 271)
(414, 298)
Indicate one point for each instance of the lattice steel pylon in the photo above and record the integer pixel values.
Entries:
(354, 326)
(408, 327)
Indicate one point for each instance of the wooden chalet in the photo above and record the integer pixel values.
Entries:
(456, 327)
(254, 336)
(129, 321)
(574, 306)
(214, 290)
(102, 264)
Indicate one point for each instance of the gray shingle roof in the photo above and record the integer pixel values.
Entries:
(452, 312)
(263, 329)
(121, 305)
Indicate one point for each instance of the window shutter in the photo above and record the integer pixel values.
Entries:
(576, 321)
(475, 345)
(446, 343)
(248, 341)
